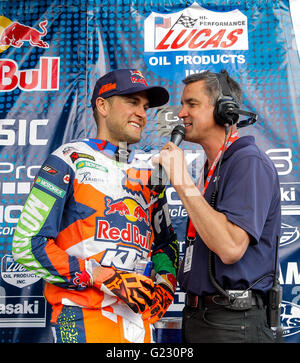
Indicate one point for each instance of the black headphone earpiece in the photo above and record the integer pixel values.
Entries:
(227, 109)
(226, 104)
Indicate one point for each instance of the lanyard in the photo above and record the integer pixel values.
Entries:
(191, 234)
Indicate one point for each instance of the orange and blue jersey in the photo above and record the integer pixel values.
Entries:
(84, 205)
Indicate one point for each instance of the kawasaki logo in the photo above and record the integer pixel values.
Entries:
(22, 311)
(20, 308)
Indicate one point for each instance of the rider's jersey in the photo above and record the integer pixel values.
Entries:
(86, 205)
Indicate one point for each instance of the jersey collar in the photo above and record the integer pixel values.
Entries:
(110, 149)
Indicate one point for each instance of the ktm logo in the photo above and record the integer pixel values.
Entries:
(107, 87)
(15, 34)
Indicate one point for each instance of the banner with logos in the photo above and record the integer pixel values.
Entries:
(52, 52)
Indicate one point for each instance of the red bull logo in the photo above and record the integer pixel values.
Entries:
(117, 207)
(137, 77)
(136, 73)
(130, 234)
(140, 214)
(128, 208)
(44, 78)
(15, 34)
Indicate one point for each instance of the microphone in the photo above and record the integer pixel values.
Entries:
(178, 134)
(159, 178)
(249, 121)
(252, 117)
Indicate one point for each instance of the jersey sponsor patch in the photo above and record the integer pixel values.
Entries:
(75, 156)
(50, 186)
(90, 164)
(49, 169)
(36, 210)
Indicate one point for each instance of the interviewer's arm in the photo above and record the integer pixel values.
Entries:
(224, 238)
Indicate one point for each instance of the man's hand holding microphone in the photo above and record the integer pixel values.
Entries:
(169, 162)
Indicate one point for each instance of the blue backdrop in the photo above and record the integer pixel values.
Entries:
(52, 52)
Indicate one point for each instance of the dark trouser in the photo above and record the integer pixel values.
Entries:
(216, 324)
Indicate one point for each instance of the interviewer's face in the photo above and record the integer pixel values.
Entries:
(125, 118)
(197, 112)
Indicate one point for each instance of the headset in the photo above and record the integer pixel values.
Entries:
(227, 109)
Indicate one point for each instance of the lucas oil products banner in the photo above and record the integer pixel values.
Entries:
(52, 52)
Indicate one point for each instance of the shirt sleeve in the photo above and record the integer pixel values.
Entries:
(40, 222)
(247, 194)
(165, 252)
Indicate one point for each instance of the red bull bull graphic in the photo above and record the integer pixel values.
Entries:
(117, 207)
(16, 34)
(140, 214)
(128, 208)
